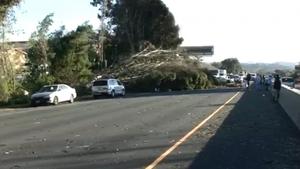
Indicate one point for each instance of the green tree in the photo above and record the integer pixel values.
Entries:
(39, 51)
(5, 6)
(70, 63)
(134, 22)
(38, 55)
(7, 72)
(232, 65)
(217, 65)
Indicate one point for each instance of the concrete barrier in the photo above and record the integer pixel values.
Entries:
(290, 102)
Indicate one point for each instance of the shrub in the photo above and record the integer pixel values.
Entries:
(4, 90)
(32, 85)
(171, 78)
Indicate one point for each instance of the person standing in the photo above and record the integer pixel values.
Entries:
(248, 78)
(269, 83)
(258, 82)
(277, 87)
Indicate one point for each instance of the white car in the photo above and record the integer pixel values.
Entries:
(54, 94)
(111, 87)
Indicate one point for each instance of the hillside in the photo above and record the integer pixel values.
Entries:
(266, 68)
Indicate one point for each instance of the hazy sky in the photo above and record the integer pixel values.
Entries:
(250, 30)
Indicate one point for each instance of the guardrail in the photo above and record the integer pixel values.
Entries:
(290, 102)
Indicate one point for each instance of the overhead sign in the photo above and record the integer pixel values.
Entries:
(198, 50)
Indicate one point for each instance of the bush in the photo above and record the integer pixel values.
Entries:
(15, 97)
(19, 99)
(4, 91)
(171, 77)
(32, 85)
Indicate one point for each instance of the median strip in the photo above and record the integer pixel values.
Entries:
(184, 138)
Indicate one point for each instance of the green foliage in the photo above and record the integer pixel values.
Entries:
(232, 65)
(140, 21)
(12, 93)
(33, 83)
(132, 24)
(217, 65)
(171, 77)
(4, 90)
(71, 63)
(5, 5)
(38, 54)
(18, 96)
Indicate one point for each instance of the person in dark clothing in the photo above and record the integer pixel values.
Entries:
(248, 78)
(277, 87)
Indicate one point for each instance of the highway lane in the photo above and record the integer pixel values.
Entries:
(108, 133)
(112, 133)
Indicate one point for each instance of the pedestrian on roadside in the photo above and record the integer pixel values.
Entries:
(268, 82)
(248, 78)
(258, 83)
(277, 87)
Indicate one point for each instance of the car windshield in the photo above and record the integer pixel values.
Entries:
(100, 83)
(48, 89)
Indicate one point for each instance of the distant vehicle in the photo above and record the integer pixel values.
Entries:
(223, 73)
(230, 78)
(220, 74)
(109, 87)
(238, 78)
(289, 81)
(242, 75)
(54, 94)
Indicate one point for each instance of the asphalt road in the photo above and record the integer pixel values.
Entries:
(250, 132)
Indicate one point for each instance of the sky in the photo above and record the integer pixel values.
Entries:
(250, 30)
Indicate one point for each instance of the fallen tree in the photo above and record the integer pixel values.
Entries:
(161, 70)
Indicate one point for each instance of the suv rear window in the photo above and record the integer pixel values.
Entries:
(100, 83)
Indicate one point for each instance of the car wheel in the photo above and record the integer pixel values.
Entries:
(71, 98)
(55, 100)
(113, 94)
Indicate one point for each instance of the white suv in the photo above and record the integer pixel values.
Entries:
(111, 87)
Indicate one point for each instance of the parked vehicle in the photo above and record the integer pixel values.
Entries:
(109, 87)
(289, 81)
(54, 94)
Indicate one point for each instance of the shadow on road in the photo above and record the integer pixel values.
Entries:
(257, 134)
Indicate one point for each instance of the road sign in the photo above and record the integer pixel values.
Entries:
(198, 50)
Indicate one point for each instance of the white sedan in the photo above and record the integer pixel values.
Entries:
(54, 94)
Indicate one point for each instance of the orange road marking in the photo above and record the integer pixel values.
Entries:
(183, 139)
